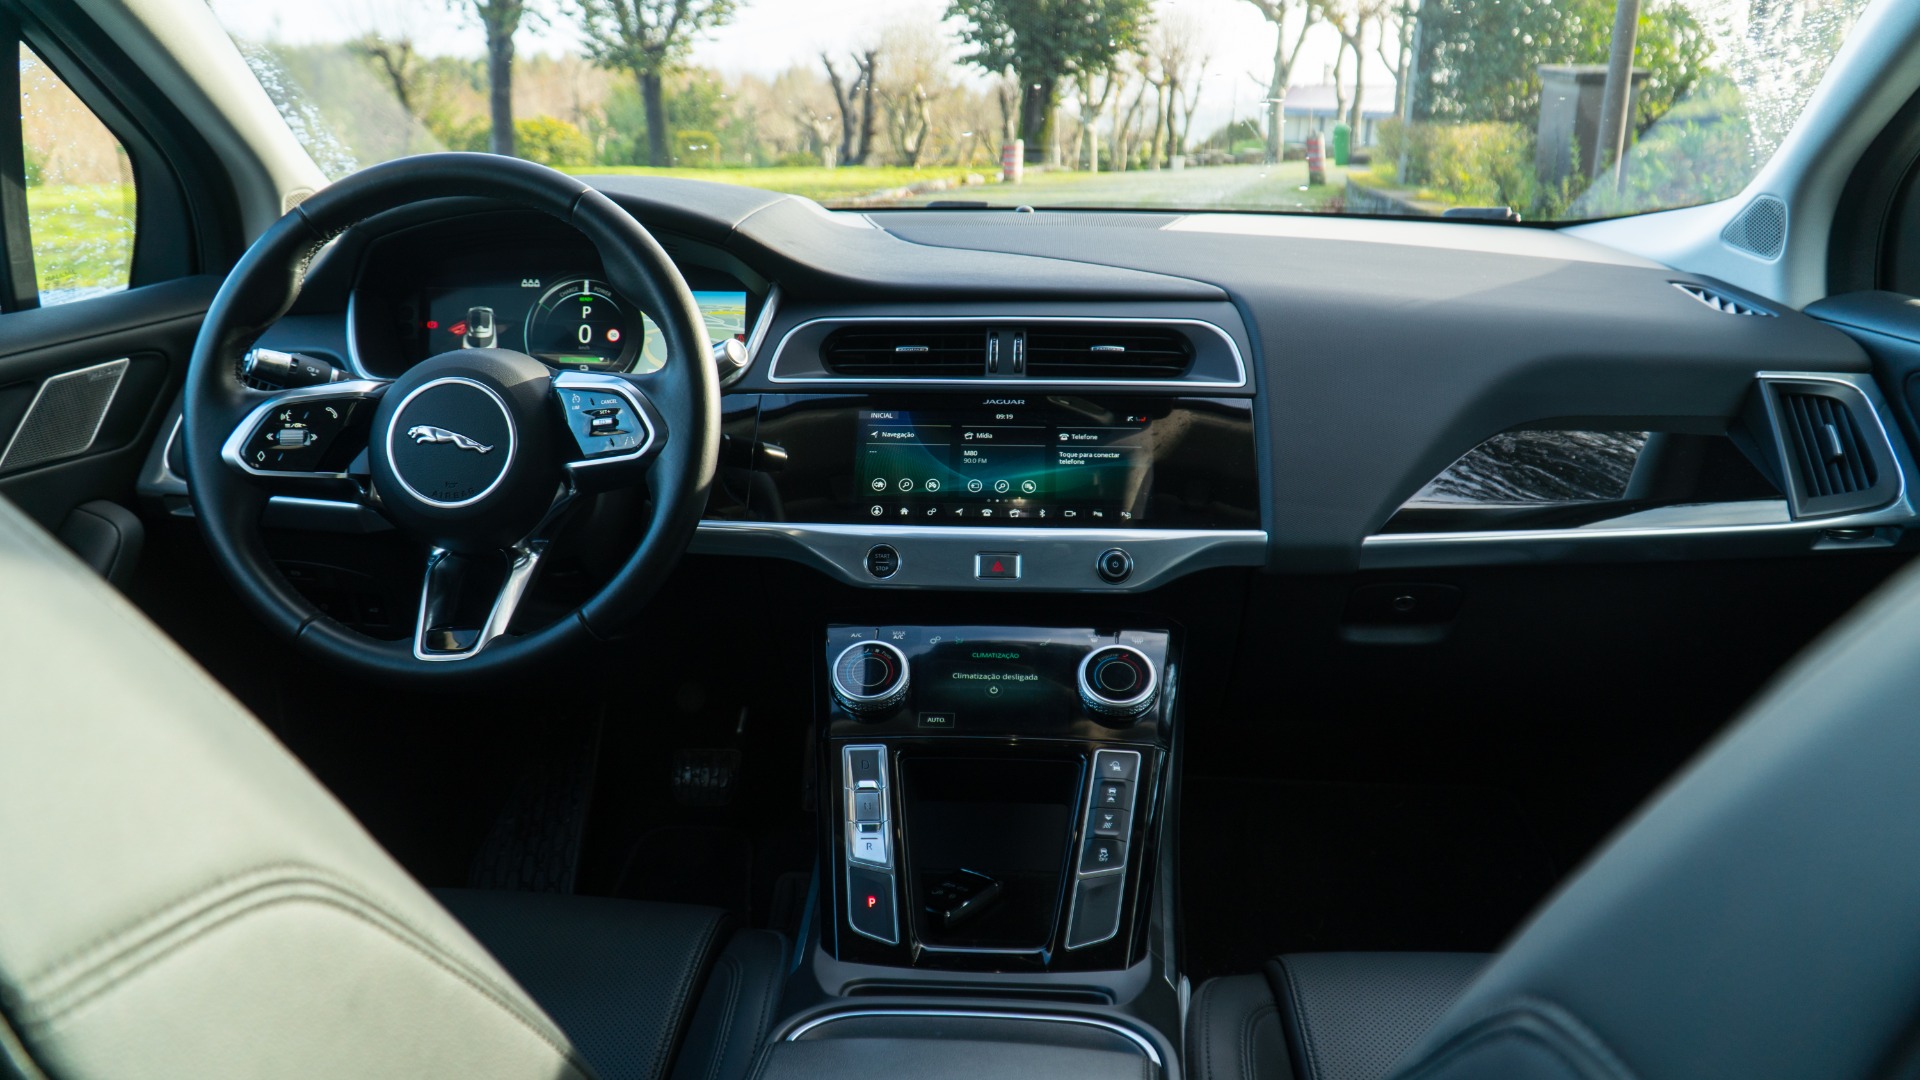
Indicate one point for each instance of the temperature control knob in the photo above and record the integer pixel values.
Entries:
(1118, 681)
(870, 676)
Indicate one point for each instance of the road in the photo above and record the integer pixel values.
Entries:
(1224, 187)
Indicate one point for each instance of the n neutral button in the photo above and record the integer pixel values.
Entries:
(866, 806)
(992, 565)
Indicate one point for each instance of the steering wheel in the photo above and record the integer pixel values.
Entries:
(477, 453)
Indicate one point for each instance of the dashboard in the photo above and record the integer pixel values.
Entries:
(1104, 402)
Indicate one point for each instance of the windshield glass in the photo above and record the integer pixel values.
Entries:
(1549, 110)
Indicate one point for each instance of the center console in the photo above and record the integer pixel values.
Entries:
(996, 794)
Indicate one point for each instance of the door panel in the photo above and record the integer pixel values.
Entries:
(153, 329)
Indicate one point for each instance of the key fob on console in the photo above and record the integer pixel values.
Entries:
(961, 895)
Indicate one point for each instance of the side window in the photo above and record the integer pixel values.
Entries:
(80, 192)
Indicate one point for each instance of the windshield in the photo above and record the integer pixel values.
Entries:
(1543, 110)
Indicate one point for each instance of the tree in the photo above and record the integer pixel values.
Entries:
(501, 19)
(647, 39)
(1285, 55)
(856, 101)
(1350, 19)
(1396, 21)
(1480, 59)
(1042, 42)
(394, 55)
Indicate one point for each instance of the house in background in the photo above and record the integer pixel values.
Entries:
(1311, 108)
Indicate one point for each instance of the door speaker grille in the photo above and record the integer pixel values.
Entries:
(65, 416)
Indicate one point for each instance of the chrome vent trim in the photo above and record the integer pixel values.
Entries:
(1015, 329)
(1719, 301)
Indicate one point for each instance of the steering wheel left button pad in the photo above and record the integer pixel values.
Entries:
(300, 437)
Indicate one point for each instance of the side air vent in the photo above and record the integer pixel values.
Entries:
(1107, 351)
(929, 350)
(1720, 301)
(1836, 456)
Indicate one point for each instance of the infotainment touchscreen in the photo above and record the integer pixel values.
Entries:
(1026, 465)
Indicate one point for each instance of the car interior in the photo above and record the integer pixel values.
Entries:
(1039, 643)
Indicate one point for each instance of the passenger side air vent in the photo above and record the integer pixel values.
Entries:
(1720, 301)
(1107, 351)
(1836, 456)
(909, 350)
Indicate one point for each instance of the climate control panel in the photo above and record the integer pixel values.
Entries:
(1086, 682)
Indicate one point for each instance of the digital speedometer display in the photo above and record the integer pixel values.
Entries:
(579, 324)
(574, 323)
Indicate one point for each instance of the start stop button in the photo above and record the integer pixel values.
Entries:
(1114, 566)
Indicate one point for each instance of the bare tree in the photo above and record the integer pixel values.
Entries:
(1091, 105)
(856, 101)
(1285, 55)
(1350, 19)
(1175, 48)
(1396, 22)
(394, 55)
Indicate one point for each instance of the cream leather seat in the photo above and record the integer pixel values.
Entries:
(180, 898)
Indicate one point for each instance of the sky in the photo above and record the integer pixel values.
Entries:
(770, 35)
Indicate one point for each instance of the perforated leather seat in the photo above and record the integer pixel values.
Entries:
(1755, 920)
(182, 899)
(1323, 1016)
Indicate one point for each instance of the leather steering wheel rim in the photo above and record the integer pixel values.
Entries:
(264, 284)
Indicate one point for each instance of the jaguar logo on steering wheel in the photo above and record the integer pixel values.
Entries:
(421, 433)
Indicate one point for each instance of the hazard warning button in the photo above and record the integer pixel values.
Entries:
(996, 564)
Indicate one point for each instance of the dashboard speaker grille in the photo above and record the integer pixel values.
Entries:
(65, 416)
(1107, 351)
(1760, 229)
(933, 350)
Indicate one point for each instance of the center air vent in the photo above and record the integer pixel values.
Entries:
(929, 350)
(1107, 351)
(1836, 456)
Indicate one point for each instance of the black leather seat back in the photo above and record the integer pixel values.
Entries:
(1761, 918)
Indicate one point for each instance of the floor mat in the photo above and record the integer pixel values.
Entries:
(535, 843)
(693, 864)
(1275, 867)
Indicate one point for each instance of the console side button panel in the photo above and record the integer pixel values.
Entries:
(1096, 911)
(1100, 874)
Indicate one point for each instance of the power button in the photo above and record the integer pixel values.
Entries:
(1114, 566)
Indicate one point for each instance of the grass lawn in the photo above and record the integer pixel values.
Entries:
(820, 184)
(1224, 187)
(82, 235)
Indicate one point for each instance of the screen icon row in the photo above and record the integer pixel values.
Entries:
(1000, 487)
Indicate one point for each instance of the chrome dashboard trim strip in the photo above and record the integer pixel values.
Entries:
(1145, 1044)
(942, 556)
(757, 337)
(1233, 348)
